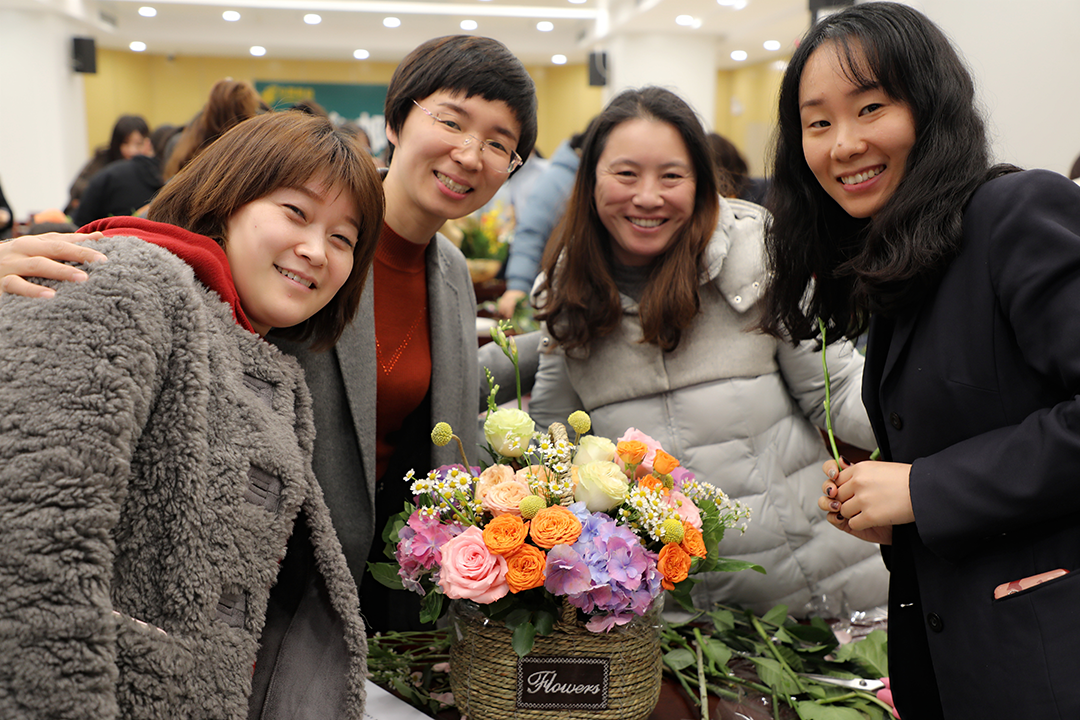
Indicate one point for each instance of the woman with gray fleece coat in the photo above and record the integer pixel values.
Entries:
(166, 549)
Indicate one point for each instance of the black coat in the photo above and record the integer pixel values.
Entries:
(979, 390)
(120, 189)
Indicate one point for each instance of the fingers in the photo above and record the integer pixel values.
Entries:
(44, 256)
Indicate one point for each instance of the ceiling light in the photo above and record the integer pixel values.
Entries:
(312, 19)
(738, 55)
(469, 25)
(137, 46)
(733, 4)
(577, 2)
(771, 45)
(230, 16)
(391, 22)
(545, 26)
(558, 59)
(361, 54)
(147, 11)
(257, 50)
(684, 20)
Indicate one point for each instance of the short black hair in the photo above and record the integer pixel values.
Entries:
(468, 65)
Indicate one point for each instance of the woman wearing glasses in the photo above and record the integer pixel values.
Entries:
(460, 115)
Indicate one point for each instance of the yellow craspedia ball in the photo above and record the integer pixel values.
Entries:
(669, 482)
(672, 531)
(580, 421)
(530, 505)
(441, 434)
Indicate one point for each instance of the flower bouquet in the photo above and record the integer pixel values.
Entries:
(561, 542)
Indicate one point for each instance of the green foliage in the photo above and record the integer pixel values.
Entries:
(404, 663)
(386, 574)
(780, 651)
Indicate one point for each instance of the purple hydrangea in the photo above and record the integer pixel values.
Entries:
(418, 547)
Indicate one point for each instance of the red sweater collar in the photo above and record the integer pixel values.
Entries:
(205, 256)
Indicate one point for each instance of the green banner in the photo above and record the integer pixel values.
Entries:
(361, 104)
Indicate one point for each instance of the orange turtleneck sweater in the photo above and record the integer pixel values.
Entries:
(402, 338)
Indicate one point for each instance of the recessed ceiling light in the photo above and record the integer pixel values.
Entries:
(738, 55)
(257, 50)
(684, 20)
(147, 11)
(137, 46)
(312, 19)
(577, 2)
(469, 25)
(545, 26)
(558, 59)
(361, 54)
(733, 4)
(391, 22)
(771, 45)
(230, 16)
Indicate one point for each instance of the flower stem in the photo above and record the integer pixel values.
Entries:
(701, 675)
(776, 654)
(828, 397)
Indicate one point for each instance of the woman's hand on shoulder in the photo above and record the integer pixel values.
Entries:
(866, 499)
(44, 256)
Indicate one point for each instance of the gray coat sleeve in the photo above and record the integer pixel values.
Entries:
(553, 395)
(77, 379)
(801, 367)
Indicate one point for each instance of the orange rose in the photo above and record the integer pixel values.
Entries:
(674, 565)
(525, 568)
(693, 543)
(553, 526)
(505, 534)
(652, 482)
(632, 452)
(664, 463)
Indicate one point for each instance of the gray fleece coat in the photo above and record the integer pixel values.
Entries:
(155, 458)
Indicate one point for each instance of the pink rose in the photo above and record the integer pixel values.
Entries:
(646, 464)
(491, 477)
(505, 498)
(470, 571)
(688, 511)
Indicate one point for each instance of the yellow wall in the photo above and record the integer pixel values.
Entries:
(171, 90)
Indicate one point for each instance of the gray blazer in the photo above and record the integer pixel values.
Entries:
(342, 383)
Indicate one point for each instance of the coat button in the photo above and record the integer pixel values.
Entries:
(896, 421)
(935, 622)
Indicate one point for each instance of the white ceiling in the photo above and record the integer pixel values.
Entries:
(196, 27)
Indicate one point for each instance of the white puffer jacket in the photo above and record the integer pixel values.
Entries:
(739, 410)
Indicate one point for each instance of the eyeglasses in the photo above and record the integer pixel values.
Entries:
(452, 134)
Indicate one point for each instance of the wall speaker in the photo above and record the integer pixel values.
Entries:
(83, 55)
(598, 69)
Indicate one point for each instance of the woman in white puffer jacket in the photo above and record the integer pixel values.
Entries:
(649, 302)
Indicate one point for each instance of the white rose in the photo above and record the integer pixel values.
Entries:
(593, 448)
(600, 485)
(509, 431)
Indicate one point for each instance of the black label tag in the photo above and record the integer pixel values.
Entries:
(563, 683)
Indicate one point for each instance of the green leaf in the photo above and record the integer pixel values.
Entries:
(810, 710)
(723, 620)
(817, 632)
(431, 607)
(679, 659)
(544, 621)
(776, 616)
(517, 617)
(729, 565)
(717, 651)
(790, 657)
(681, 595)
(524, 635)
(386, 574)
(871, 654)
(774, 675)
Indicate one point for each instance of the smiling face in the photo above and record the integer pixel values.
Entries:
(431, 180)
(290, 252)
(856, 140)
(645, 189)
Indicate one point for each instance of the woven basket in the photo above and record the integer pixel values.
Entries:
(483, 666)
